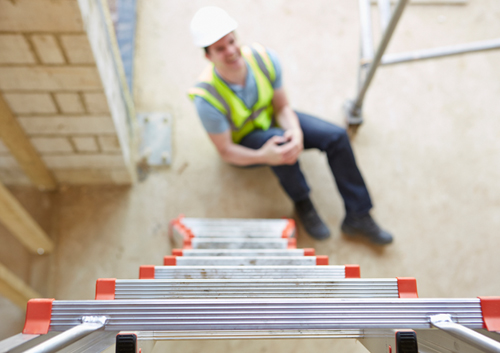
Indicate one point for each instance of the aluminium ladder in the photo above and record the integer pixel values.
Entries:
(220, 285)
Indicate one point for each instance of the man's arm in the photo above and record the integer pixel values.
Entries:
(288, 121)
(271, 153)
(278, 150)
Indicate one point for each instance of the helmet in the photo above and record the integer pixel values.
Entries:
(210, 24)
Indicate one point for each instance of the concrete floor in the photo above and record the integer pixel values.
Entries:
(429, 151)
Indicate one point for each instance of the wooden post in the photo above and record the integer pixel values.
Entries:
(14, 289)
(16, 219)
(21, 148)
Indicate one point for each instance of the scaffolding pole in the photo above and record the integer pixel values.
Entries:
(353, 108)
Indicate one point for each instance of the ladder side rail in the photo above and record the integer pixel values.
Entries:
(475, 339)
(98, 341)
(19, 341)
(89, 325)
(437, 341)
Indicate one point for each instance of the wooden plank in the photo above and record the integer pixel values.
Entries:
(20, 146)
(14, 289)
(17, 220)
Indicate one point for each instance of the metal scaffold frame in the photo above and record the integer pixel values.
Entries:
(370, 61)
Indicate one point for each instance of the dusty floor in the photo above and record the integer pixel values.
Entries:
(429, 151)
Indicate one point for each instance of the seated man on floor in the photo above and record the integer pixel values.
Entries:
(246, 113)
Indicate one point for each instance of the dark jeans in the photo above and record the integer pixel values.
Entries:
(328, 138)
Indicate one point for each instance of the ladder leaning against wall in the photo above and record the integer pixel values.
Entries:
(245, 279)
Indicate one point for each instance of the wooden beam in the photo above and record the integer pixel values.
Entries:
(20, 146)
(19, 222)
(14, 289)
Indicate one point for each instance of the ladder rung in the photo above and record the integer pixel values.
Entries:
(251, 228)
(245, 260)
(243, 252)
(244, 272)
(239, 243)
(237, 233)
(257, 288)
(264, 314)
(251, 223)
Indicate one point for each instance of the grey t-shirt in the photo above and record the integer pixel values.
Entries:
(213, 120)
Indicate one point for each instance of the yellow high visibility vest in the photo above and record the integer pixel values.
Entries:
(242, 120)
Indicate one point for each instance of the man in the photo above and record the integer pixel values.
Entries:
(246, 113)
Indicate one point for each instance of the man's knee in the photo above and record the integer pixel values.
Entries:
(273, 131)
(257, 138)
(339, 139)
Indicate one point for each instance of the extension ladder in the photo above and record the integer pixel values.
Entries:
(220, 285)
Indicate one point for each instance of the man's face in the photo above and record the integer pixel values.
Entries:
(225, 53)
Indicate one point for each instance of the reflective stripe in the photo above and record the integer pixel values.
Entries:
(211, 89)
(266, 59)
(261, 64)
(252, 116)
(217, 96)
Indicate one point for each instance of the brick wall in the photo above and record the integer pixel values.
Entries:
(61, 79)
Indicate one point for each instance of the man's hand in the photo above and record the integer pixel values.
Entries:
(288, 120)
(295, 144)
(279, 150)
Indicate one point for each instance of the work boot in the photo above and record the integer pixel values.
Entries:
(366, 227)
(313, 225)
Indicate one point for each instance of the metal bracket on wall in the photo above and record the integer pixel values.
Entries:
(156, 138)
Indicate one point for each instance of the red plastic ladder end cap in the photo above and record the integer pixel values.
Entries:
(321, 260)
(177, 252)
(38, 314)
(352, 271)
(292, 243)
(187, 244)
(289, 230)
(490, 307)
(105, 289)
(309, 252)
(407, 287)
(147, 272)
(169, 261)
(184, 231)
(174, 223)
(177, 220)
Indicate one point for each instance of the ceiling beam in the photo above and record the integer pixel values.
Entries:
(16, 140)
(20, 223)
(14, 289)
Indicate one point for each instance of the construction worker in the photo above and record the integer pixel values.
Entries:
(244, 109)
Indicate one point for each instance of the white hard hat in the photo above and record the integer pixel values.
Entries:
(210, 24)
